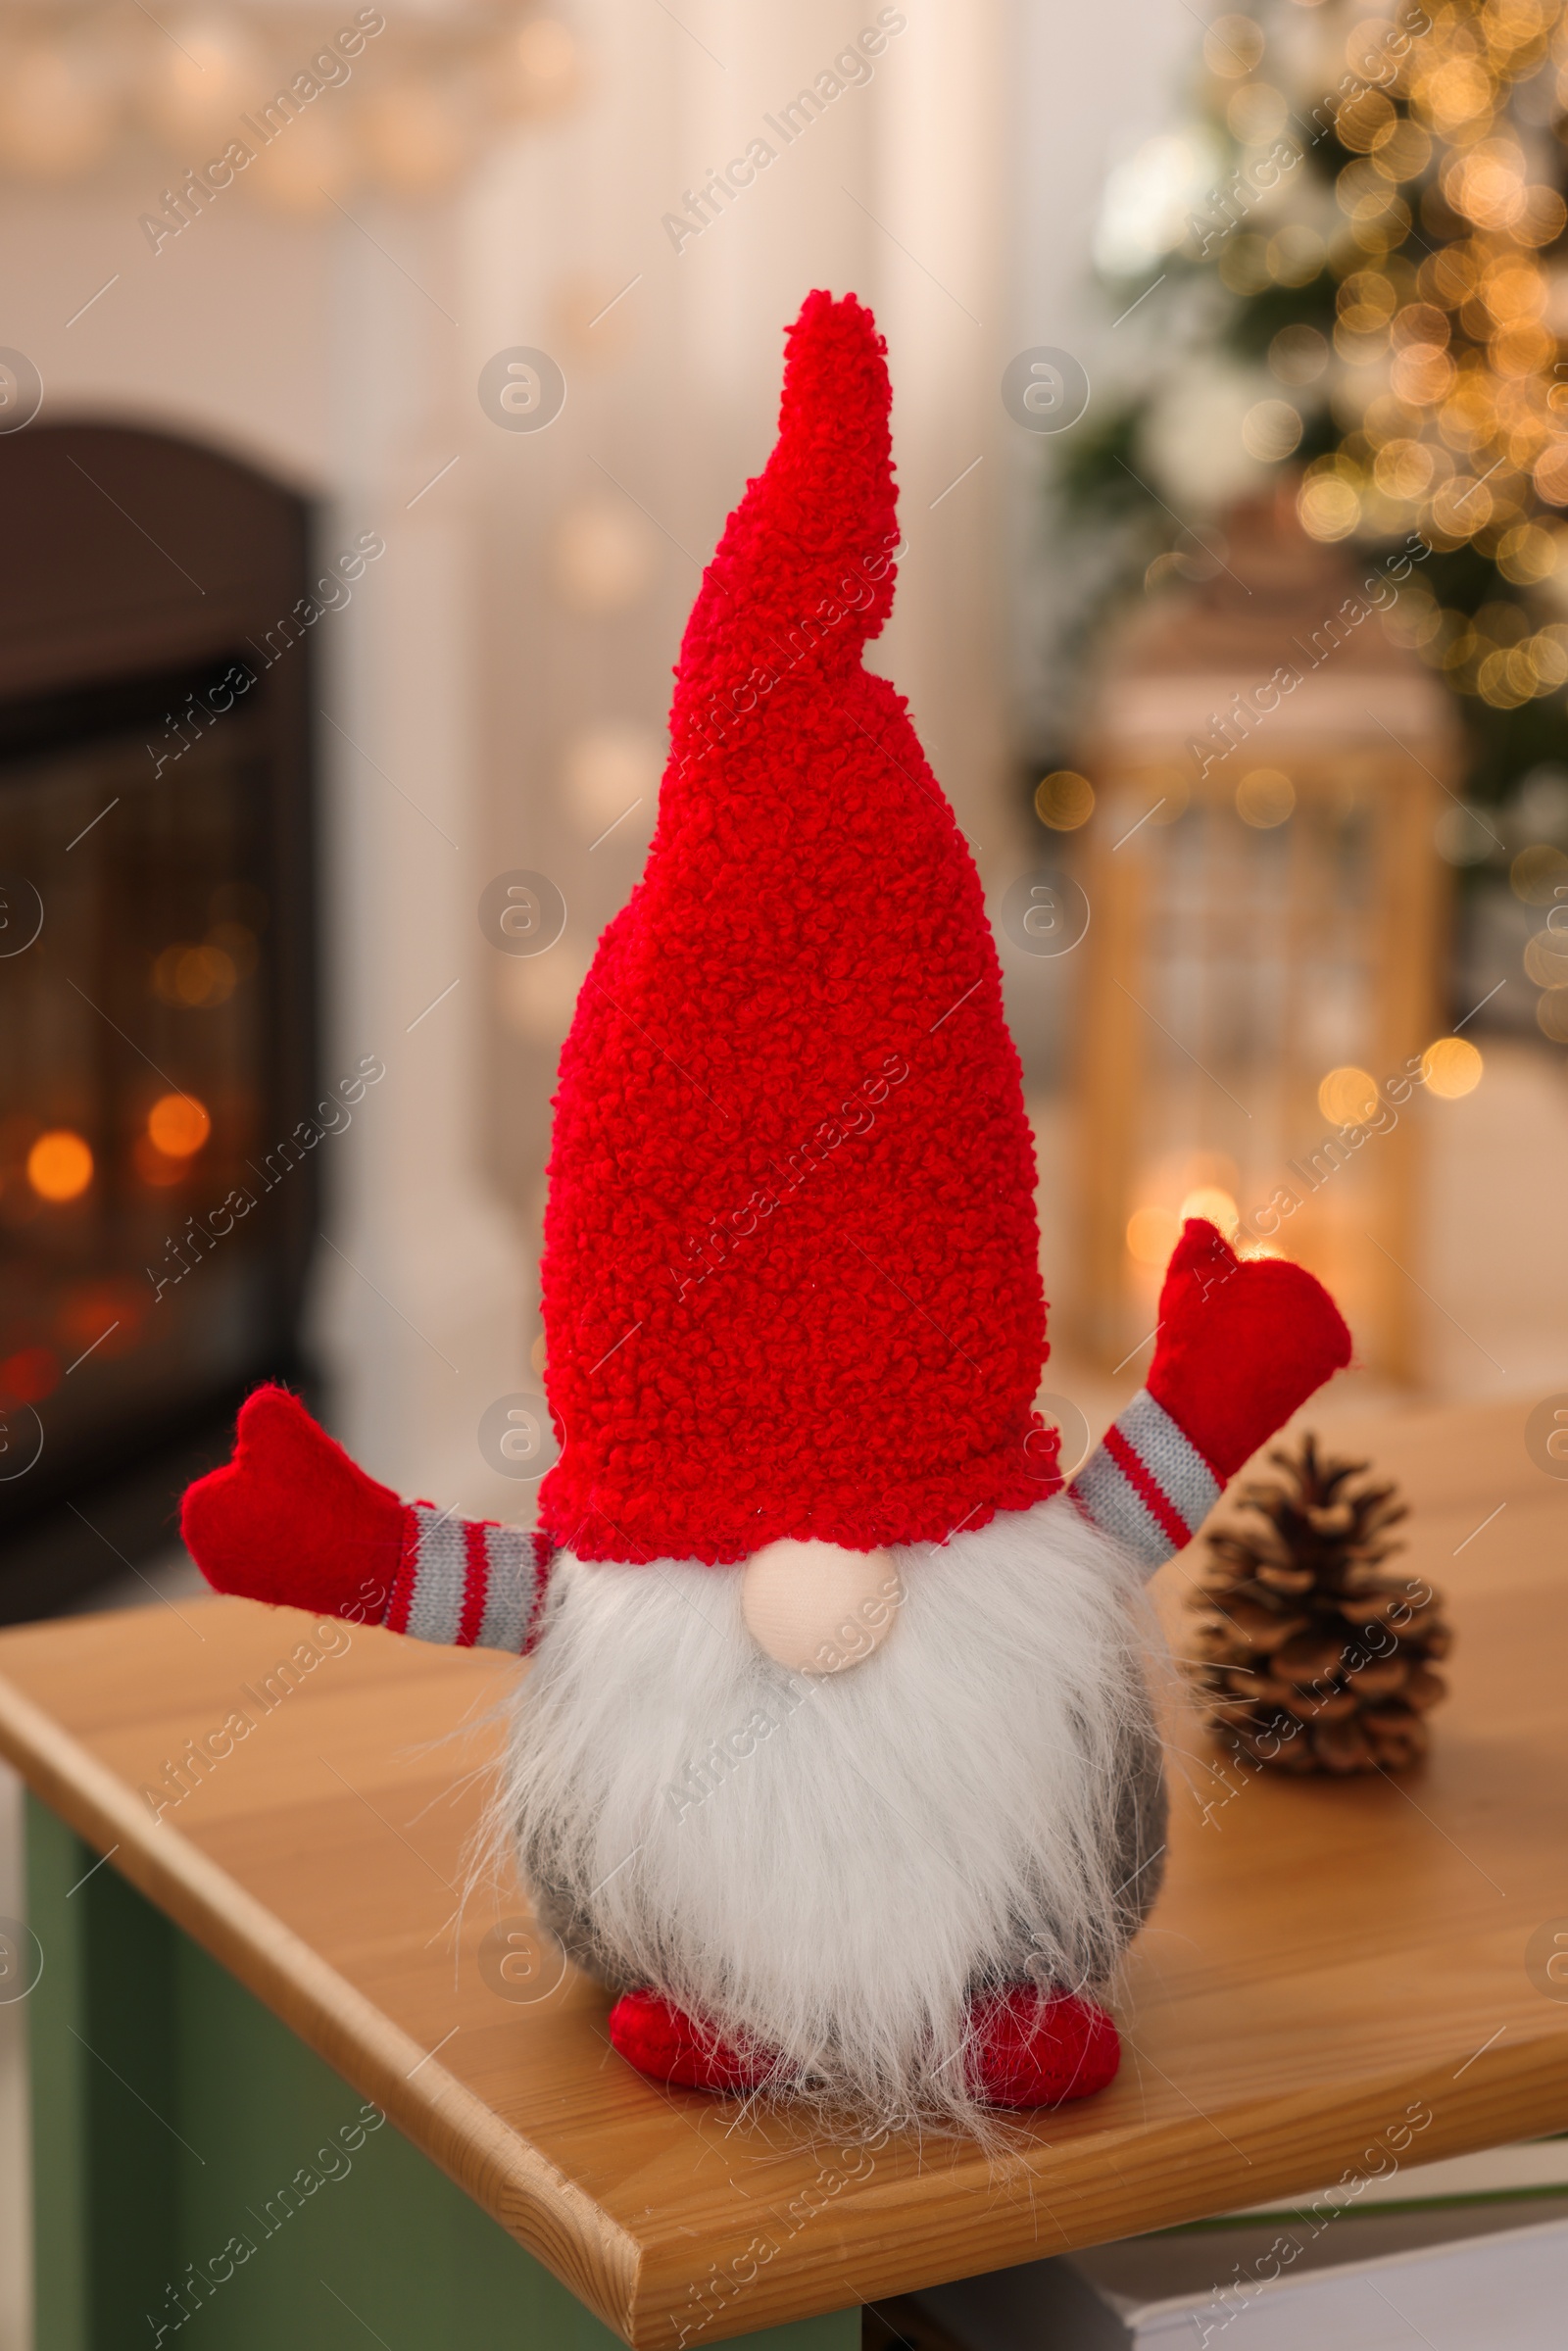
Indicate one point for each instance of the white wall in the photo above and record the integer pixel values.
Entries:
(899, 193)
(1088, 86)
(464, 686)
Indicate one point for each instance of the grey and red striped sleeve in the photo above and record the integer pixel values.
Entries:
(467, 1583)
(1147, 1485)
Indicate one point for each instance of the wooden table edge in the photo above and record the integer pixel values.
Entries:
(553, 2219)
(1526, 2096)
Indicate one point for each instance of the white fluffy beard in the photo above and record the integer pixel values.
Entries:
(831, 1867)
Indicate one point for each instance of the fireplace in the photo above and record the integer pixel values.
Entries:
(157, 1001)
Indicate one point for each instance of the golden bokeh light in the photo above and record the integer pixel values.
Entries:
(1546, 959)
(1551, 1014)
(1257, 113)
(1527, 554)
(1451, 1067)
(1366, 301)
(1328, 506)
(1364, 121)
(1456, 92)
(546, 48)
(1538, 872)
(1415, 619)
(1065, 800)
(1420, 323)
(1233, 47)
(1551, 474)
(194, 978)
(1152, 1235)
(414, 139)
(1271, 430)
(1294, 257)
(60, 1165)
(1401, 150)
(1404, 468)
(1421, 373)
(1216, 1207)
(1460, 507)
(1522, 347)
(536, 66)
(178, 1125)
(1347, 1096)
(1505, 680)
(1265, 798)
(1298, 354)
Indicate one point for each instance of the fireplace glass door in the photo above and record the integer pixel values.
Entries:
(142, 1191)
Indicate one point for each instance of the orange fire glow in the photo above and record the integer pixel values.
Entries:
(178, 1125)
(60, 1165)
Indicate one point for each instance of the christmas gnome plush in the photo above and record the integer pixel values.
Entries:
(835, 1760)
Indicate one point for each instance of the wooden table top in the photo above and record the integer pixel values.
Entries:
(1324, 1957)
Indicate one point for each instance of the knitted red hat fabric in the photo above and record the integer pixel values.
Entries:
(790, 1280)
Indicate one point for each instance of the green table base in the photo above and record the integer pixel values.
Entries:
(176, 2122)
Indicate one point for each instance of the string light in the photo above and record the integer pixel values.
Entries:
(1412, 232)
(421, 101)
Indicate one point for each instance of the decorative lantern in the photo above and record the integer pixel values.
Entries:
(1267, 915)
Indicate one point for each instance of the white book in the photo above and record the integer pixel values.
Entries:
(1534, 2164)
(1495, 2288)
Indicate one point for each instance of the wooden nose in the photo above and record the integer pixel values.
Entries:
(817, 1608)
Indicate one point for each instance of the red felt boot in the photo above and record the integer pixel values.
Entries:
(1243, 1342)
(1029, 2049)
(292, 1520)
(1035, 2048)
(652, 2034)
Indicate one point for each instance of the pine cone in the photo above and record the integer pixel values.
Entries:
(1306, 1659)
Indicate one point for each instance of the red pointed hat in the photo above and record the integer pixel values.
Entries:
(791, 1281)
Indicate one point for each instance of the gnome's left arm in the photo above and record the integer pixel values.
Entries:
(291, 1519)
(1240, 1345)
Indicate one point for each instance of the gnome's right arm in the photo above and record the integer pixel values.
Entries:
(1240, 1345)
(292, 1520)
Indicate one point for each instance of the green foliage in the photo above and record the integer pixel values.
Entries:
(1097, 479)
(1257, 318)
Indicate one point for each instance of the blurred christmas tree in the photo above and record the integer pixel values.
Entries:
(1350, 262)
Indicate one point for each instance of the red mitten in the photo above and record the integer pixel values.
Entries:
(1242, 1343)
(291, 1519)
